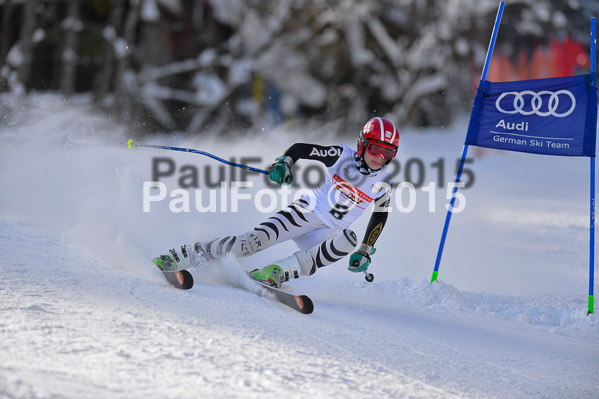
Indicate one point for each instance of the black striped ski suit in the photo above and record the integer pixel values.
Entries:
(319, 244)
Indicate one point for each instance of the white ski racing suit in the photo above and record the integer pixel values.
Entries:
(318, 222)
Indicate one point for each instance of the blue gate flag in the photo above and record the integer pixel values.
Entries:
(556, 116)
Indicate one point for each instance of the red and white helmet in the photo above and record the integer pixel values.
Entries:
(380, 133)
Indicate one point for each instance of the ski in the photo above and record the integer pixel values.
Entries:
(181, 279)
(300, 303)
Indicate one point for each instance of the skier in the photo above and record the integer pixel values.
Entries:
(318, 222)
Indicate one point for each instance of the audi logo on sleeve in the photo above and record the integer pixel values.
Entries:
(542, 103)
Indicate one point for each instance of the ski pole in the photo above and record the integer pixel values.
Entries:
(367, 276)
(132, 144)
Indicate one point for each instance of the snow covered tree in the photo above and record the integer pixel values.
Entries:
(192, 65)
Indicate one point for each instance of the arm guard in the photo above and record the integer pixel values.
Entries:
(377, 220)
(328, 155)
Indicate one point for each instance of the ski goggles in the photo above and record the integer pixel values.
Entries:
(379, 149)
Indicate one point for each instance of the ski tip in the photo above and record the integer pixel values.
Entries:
(130, 144)
(304, 304)
(181, 279)
(184, 279)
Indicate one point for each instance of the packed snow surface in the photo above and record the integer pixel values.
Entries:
(84, 313)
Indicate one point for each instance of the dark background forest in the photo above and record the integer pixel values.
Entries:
(223, 65)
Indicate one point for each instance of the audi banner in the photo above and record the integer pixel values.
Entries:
(556, 116)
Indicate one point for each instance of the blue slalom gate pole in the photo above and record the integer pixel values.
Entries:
(132, 144)
(592, 210)
(493, 39)
(592, 241)
(448, 216)
(465, 149)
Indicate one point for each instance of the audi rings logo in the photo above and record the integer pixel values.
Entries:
(536, 103)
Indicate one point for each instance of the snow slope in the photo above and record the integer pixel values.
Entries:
(84, 314)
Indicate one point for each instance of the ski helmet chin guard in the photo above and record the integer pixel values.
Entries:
(383, 134)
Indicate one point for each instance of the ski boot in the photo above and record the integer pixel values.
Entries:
(278, 272)
(175, 260)
(272, 275)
